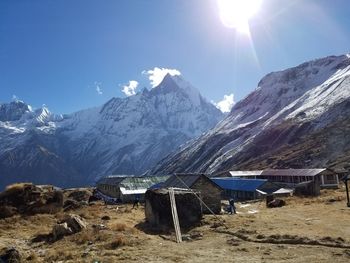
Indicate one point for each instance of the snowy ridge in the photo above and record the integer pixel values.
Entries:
(123, 136)
(18, 117)
(306, 94)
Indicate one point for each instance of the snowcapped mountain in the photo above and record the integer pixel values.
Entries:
(297, 117)
(123, 136)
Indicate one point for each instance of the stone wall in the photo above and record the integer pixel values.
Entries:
(158, 208)
(210, 194)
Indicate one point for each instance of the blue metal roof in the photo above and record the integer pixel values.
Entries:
(247, 185)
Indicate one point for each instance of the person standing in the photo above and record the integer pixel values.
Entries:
(232, 206)
(136, 202)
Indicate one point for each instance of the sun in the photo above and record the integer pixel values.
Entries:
(236, 13)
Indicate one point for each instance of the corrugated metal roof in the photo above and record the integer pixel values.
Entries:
(182, 180)
(133, 182)
(293, 172)
(132, 192)
(248, 185)
(113, 179)
(277, 192)
(245, 173)
(278, 172)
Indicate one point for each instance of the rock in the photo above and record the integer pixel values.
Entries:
(186, 237)
(84, 203)
(76, 223)
(7, 211)
(234, 241)
(217, 224)
(196, 235)
(276, 203)
(99, 226)
(93, 199)
(105, 218)
(70, 225)
(26, 198)
(80, 195)
(61, 230)
(10, 255)
(71, 204)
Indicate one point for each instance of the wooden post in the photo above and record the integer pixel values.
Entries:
(175, 216)
(347, 192)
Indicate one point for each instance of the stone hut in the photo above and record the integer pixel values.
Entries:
(210, 192)
(158, 208)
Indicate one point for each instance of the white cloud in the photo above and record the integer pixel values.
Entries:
(98, 88)
(14, 97)
(226, 104)
(130, 89)
(156, 75)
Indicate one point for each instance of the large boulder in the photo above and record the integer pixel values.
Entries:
(76, 223)
(276, 203)
(7, 211)
(79, 194)
(26, 198)
(70, 225)
(10, 255)
(61, 230)
(71, 204)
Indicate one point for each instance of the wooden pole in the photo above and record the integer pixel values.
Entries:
(347, 192)
(175, 216)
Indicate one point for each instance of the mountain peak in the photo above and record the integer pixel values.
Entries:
(176, 83)
(290, 109)
(14, 110)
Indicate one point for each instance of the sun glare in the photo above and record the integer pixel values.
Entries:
(236, 13)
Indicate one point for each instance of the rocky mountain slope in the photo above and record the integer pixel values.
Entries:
(123, 136)
(297, 117)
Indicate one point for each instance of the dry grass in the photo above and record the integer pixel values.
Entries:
(32, 258)
(127, 210)
(95, 236)
(16, 187)
(83, 237)
(117, 242)
(61, 255)
(118, 227)
(127, 239)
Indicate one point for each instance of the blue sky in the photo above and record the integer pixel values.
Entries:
(56, 52)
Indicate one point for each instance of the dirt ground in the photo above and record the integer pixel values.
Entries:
(305, 230)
